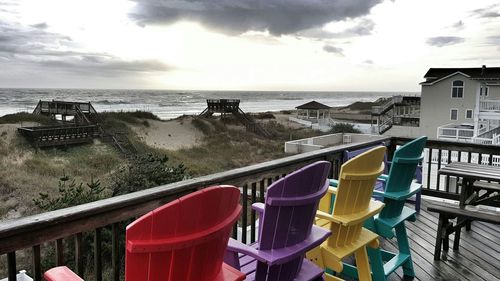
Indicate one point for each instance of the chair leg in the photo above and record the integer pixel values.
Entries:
(456, 242)
(364, 272)
(377, 264)
(417, 201)
(439, 237)
(404, 248)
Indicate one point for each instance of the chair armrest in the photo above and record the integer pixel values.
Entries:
(282, 255)
(258, 207)
(383, 177)
(61, 273)
(374, 208)
(323, 215)
(403, 195)
(332, 190)
(238, 247)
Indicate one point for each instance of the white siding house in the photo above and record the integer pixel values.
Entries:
(461, 104)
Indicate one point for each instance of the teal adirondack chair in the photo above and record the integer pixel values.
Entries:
(391, 220)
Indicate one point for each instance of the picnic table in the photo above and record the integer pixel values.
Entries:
(480, 186)
(480, 183)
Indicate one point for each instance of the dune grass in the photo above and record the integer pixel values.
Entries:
(25, 117)
(25, 172)
(227, 147)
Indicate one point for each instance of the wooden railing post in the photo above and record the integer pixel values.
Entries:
(11, 266)
(79, 254)
(37, 270)
(115, 251)
(97, 255)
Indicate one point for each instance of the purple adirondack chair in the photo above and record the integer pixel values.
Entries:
(286, 230)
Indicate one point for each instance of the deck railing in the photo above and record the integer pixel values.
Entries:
(448, 132)
(489, 105)
(35, 233)
(61, 226)
(438, 153)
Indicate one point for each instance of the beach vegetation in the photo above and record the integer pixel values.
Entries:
(70, 194)
(226, 144)
(21, 117)
(145, 171)
(264, 115)
(343, 128)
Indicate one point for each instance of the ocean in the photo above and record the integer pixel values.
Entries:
(169, 104)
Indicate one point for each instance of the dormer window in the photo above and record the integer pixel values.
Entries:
(483, 91)
(457, 89)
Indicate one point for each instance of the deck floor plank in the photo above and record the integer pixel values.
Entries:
(477, 259)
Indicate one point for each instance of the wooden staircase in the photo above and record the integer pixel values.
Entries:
(231, 106)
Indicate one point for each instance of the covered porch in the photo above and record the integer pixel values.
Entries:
(313, 111)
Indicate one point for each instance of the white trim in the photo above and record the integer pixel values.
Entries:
(486, 91)
(458, 87)
(446, 77)
(451, 109)
(471, 115)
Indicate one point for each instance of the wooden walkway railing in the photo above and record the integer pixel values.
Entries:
(59, 227)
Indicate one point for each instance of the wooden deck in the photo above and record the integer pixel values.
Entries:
(477, 259)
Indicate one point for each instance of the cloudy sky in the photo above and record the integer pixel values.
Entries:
(330, 45)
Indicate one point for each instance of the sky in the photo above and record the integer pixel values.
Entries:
(283, 45)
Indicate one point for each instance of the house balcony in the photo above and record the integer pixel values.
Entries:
(25, 241)
(456, 132)
(489, 109)
(465, 133)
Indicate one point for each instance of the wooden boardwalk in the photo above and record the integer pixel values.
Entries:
(477, 259)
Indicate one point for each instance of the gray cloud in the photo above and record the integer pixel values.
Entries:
(33, 45)
(487, 12)
(361, 28)
(333, 49)
(42, 25)
(368, 61)
(491, 15)
(458, 25)
(494, 38)
(441, 41)
(106, 66)
(238, 16)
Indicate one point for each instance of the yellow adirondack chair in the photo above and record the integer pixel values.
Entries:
(352, 206)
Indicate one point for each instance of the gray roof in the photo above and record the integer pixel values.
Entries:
(477, 73)
(313, 105)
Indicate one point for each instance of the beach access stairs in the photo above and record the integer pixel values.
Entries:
(231, 106)
(76, 123)
(397, 110)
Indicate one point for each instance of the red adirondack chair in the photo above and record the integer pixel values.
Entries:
(183, 240)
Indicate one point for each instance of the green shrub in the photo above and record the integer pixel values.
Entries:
(344, 128)
(70, 194)
(146, 171)
(25, 117)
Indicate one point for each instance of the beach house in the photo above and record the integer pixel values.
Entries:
(461, 104)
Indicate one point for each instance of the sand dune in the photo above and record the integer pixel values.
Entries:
(171, 134)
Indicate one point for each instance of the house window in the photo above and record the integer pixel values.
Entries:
(457, 89)
(454, 114)
(483, 91)
(468, 114)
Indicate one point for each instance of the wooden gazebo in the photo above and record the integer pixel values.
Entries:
(313, 111)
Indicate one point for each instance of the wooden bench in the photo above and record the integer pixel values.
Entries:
(483, 192)
(449, 211)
